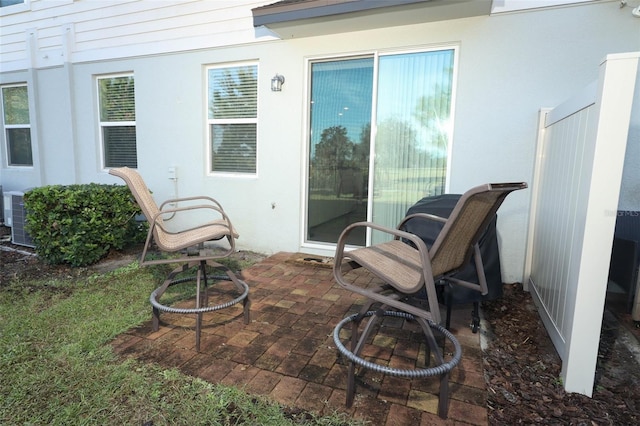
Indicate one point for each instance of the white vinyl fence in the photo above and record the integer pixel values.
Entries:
(575, 190)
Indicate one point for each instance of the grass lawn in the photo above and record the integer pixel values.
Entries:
(57, 366)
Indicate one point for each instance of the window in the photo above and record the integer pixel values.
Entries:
(118, 120)
(4, 3)
(232, 118)
(17, 127)
(393, 108)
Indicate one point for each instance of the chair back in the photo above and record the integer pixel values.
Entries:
(141, 193)
(453, 247)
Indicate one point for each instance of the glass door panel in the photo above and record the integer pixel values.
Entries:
(413, 108)
(338, 163)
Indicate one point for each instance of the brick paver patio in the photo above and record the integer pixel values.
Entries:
(287, 351)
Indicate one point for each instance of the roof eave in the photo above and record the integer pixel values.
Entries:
(320, 17)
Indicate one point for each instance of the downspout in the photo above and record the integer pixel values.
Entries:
(68, 44)
(33, 94)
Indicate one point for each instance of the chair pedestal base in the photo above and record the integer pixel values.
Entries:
(202, 300)
(353, 355)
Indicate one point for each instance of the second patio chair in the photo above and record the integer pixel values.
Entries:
(216, 227)
(407, 272)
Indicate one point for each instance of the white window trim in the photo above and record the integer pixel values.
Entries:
(506, 6)
(16, 8)
(101, 123)
(210, 121)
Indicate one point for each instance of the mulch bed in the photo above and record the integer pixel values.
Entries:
(522, 370)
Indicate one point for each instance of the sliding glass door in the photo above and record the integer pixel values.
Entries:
(362, 172)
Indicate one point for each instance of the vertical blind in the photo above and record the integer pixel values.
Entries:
(413, 126)
(338, 163)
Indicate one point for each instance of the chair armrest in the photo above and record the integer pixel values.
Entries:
(214, 205)
(189, 208)
(425, 216)
(397, 233)
(223, 216)
(201, 197)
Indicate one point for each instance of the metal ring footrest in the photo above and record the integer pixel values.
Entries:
(410, 373)
(164, 308)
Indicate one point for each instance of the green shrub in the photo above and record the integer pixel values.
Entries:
(79, 224)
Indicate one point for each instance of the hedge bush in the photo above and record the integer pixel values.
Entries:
(79, 224)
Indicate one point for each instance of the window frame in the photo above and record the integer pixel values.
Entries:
(230, 121)
(104, 124)
(23, 6)
(5, 127)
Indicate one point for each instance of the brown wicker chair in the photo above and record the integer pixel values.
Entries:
(171, 241)
(409, 271)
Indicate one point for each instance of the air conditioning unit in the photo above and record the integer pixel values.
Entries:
(15, 217)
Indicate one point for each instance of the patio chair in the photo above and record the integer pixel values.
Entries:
(181, 242)
(407, 272)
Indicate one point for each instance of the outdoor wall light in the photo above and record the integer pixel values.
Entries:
(276, 83)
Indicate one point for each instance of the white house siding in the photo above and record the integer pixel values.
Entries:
(89, 30)
(509, 66)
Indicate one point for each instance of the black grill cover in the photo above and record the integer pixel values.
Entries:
(428, 230)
